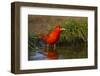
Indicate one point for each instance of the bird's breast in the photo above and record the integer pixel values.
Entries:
(53, 38)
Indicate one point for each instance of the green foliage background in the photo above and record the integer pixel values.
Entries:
(74, 29)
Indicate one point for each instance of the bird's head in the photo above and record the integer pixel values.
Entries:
(59, 28)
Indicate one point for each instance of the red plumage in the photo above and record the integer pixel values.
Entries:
(52, 37)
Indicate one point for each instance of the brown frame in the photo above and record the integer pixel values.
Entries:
(15, 37)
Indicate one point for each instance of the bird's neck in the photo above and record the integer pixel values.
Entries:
(57, 32)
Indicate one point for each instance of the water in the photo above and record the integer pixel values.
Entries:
(68, 52)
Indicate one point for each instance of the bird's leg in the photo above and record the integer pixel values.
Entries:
(54, 46)
(47, 48)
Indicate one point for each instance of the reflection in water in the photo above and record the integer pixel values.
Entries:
(51, 54)
(44, 55)
(37, 55)
(69, 52)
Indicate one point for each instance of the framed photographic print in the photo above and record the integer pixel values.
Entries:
(52, 37)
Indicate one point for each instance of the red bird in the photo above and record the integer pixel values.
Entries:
(52, 37)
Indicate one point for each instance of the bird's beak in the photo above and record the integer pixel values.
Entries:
(62, 29)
